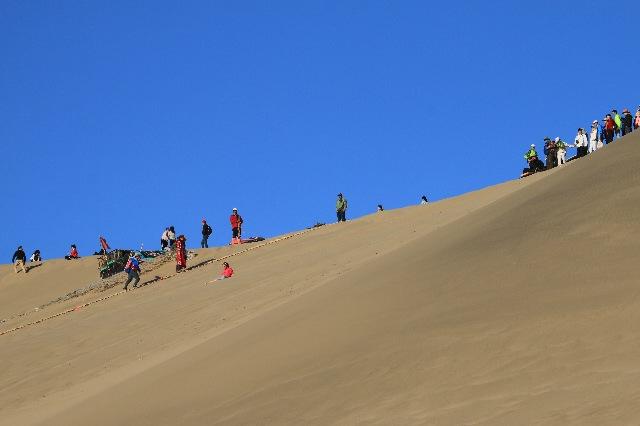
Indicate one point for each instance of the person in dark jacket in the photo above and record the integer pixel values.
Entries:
(551, 151)
(206, 231)
(627, 122)
(19, 259)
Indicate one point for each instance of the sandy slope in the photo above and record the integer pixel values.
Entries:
(512, 305)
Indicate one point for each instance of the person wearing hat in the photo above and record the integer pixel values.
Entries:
(341, 208)
(132, 268)
(181, 253)
(618, 121)
(551, 151)
(581, 143)
(206, 231)
(594, 137)
(562, 151)
(627, 122)
(535, 165)
(236, 226)
(19, 259)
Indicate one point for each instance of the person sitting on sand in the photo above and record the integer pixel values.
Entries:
(35, 257)
(227, 272)
(424, 200)
(73, 253)
(18, 260)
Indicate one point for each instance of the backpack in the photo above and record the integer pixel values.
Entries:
(208, 230)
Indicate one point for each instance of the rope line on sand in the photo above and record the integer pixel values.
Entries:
(155, 279)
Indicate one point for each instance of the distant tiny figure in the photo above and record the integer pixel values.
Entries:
(562, 151)
(380, 208)
(206, 232)
(594, 137)
(164, 239)
(341, 208)
(618, 121)
(609, 128)
(424, 200)
(227, 272)
(73, 253)
(104, 245)
(181, 253)
(172, 236)
(19, 258)
(36, 257)
(636, 122)
(535, 164)
(132, 268)
(627, 122)
(581, 143)
(236, 225)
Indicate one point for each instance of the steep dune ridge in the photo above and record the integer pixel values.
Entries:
(512, 305)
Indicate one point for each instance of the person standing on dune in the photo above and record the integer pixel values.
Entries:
(594, 137)
(341, 208)
(236, 225)
(581, 143)
(19, 259)
(206, 232)
(618, 121)
(609, 128)
(181, 253)
(164, 239)
(627, 122)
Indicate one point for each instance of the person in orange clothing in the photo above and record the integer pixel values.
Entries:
(236, 224)
(227, 272)
(73, 253)
(181, 253)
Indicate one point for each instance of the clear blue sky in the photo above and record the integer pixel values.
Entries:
(121, 118)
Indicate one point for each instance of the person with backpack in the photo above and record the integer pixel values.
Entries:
(132, 268)
(562, 151)
(181, 253)
(341, 208)
(206, 231)
(627, 122)
(594, 137)
(236, 225)
(551, 151)
(73, 253)
(618, 122)
(581, 143)
(19, 259)
(609, 128)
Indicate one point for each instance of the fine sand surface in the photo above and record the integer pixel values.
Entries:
(517, 304)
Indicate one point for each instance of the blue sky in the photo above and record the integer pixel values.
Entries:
(121, 118)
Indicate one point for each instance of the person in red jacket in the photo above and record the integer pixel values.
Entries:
(236, 224)
(73, 253)
(181, 253)
(227, 272)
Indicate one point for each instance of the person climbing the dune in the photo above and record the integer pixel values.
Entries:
(19, 259)
(181, 253)
(132, 268)
(73, 253)
(236, 225)
(227, 272)
(35, 256)
(341, 208)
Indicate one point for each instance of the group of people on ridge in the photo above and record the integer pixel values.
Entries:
(613, 126)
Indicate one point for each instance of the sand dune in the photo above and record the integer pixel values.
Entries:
(516, 304)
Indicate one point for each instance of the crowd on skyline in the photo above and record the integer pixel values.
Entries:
(613, 127)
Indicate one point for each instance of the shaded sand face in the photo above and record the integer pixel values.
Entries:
(516, 304)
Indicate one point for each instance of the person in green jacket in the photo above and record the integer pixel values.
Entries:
(562, 151)
(341, 208)
(618, 120)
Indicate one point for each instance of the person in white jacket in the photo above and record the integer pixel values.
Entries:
(594, 137)
(581, 143)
